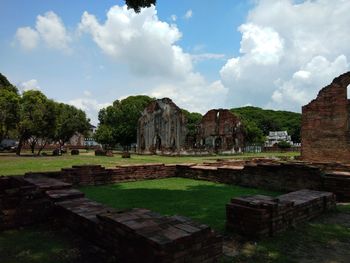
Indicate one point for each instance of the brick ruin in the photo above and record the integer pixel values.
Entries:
(136, 235)
(139, 235)
(162, 127)
(221, 131)
(261, 216)
(325, 133)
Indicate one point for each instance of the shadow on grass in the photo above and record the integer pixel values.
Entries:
(44, 243)
(202, 201)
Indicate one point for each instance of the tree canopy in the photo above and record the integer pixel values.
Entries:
(193, 119)
(118, 123)
(138, 4)
(258, 122)
(70, 120)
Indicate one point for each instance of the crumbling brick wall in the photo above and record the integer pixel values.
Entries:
(325, 134)
(221, 130)
(162, 127)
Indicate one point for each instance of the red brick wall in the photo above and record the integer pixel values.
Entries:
(325, 124)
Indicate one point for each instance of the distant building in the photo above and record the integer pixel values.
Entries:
(161, 128)
(80, 140)
(221, 131)
(275, 137)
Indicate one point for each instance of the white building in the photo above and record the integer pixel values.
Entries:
(275, 137)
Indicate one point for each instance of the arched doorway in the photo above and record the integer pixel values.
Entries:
(217, 143)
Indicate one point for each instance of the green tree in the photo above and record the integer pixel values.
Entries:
(269, 120)
(70, 120)
(5, 84)
(104, 135)
(9, 112)
(36, 118)
(193, 119)
(121, 119)
(44, 130)
(138, 4)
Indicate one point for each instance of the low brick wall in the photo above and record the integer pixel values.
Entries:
(259, 173)
(259, 216)
(80, 175)
(21, 203)
(138, 235)
(272, 176)
(125, 173)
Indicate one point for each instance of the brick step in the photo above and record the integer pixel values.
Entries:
(45, 183)
(64, 194)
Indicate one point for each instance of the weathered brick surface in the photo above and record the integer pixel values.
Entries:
(325, 134)
(21, 203)
(221, 130)
(259, 215)
(140, 235)
(125, 173)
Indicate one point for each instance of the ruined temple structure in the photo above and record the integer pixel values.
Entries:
(161, 128)
(325, 128)
(221, 131)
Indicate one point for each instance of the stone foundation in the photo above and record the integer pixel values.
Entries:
(259, 216)
(258, 173)
(138, 235)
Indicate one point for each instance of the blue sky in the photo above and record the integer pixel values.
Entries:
(267, 53)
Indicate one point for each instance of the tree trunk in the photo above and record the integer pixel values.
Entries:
(42, 147)
(19, 148)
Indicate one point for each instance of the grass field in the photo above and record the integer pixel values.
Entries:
(13, 165)
(200, 200)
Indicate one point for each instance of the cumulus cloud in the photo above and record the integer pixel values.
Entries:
(289, 50)
(188, 14)
(49, 28)
(29, 85)
(90, 106)
(27, 38)
(142, 41)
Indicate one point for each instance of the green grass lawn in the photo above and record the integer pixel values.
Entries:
(13, 165)
(200, 200)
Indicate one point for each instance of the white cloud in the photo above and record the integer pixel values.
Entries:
(90, 106)
(49, 28)
(289, 51)
(207, 56)
(173, 18)
(193, 94)
(142, 41)
(52, 31)
(29, 85)
(188, 14)
(27, 38)
(87, 93)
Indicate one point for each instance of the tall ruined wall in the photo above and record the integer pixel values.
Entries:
(162, 127)
(222, 130)
(325, 124)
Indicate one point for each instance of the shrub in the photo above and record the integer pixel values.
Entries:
(283, 145)
(56, 152)
(100, 152)
(125, 155)
(74, 152)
